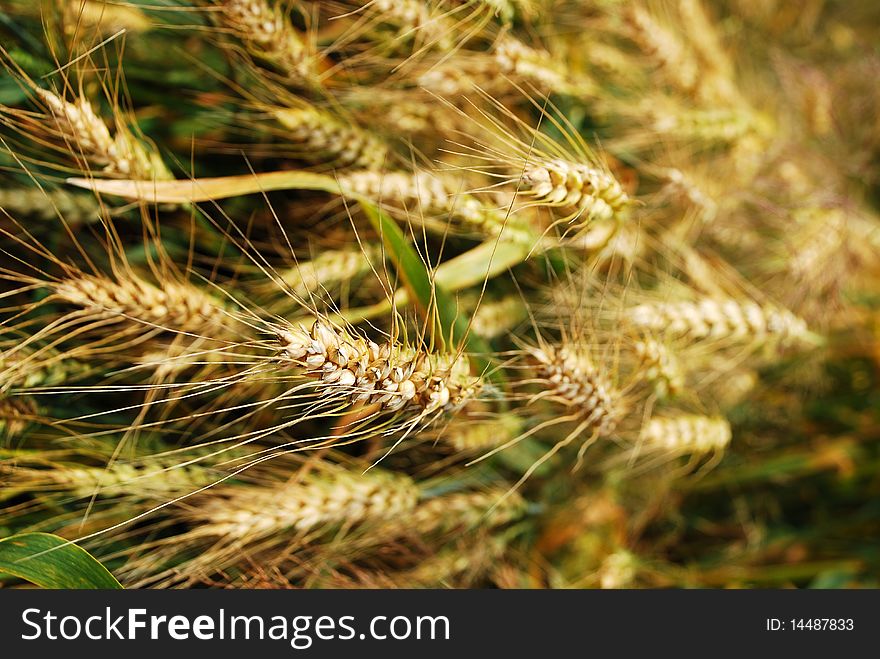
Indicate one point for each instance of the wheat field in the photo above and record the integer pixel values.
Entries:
(443, 293)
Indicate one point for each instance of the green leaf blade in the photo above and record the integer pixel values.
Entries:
(48, 561)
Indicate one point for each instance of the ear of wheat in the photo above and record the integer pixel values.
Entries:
(660, 367)
(618, 570)
(325, 500)
(493, 318)
(524, 63)
(425, 194)
(327, 269)
(87, 134)
(159, 479)
(326, 138)
(16, 414)
(392, 376)
(461, 564)
(670, 54)
(417, 20)
(732, 126)
(678, 184)
(105, 17)
(267, 34)
(174, 306)
(465, 511)
(49, 205)
(581, 193)
(453, 514)
(686, 433)
(482, 434)
(571, 379)
(720, 318)
(27, 367)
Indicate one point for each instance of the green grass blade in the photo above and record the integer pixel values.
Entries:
(48, 561)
